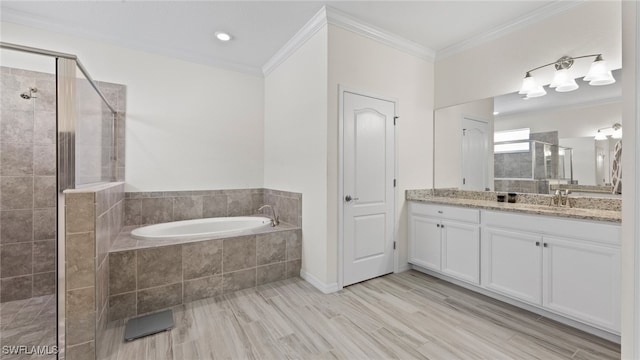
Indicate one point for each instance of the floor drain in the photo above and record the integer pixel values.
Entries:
(148, 325)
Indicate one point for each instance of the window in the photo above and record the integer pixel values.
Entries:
(511, 141)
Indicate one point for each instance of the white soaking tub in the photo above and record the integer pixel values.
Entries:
(200, 228)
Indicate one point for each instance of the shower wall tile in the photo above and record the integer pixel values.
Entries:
(17, 125)
(44, 192)
(44, 128)
(16, 288)
(16, 192)
(16, 159)
(27, 148)
(44, 256)
(44, 160)
(17, 226)
(16, 259)
(44, 283)
(44, 224)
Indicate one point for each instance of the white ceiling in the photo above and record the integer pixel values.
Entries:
(185, 29)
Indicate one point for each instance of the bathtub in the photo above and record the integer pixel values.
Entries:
(200, 228)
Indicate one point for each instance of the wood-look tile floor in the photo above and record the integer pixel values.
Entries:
(408, 315)
(30, 322)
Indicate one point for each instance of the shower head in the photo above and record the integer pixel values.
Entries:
(28, 95)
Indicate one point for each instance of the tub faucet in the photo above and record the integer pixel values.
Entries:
(274, 218)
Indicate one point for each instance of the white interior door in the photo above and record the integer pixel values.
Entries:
(368, 174)
(475, 154)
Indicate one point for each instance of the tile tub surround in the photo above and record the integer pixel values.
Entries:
(150, 279)
(27, 185)
(94, 218)
(142, 208)
(587, 208)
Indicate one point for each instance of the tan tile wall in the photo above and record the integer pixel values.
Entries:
(27, 185)
(149, 280)
(94, 217)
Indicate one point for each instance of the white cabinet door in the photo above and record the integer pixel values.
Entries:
(512, 264)
(424, 242)
(461, 251)
(582, 280)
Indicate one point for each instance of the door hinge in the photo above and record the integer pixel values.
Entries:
(464, 132)
(395, 118)
(394, 182)
(464, 181)
(394, 245)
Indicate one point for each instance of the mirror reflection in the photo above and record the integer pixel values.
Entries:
(566, 140)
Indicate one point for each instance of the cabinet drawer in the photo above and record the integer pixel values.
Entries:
(546, 225)
(445, 212)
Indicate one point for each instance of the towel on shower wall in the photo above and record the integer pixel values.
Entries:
(616, 169)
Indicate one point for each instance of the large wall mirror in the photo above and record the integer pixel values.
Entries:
(537, 145)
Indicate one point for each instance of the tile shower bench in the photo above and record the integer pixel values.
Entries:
(150, 275)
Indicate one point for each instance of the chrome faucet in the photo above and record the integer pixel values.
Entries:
(561, 198)
(275, 221)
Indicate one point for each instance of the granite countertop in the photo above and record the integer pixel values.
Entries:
(566, 212)
(125, 242)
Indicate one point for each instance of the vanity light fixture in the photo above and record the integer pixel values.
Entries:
(615, 134)
(563, 80)
(223, 36)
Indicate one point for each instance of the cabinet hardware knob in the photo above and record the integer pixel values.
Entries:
(537, 243)
(442, 226)
(439, 211)
(545, 244)
(438, 225)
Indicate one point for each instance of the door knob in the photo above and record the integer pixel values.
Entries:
(348, 198)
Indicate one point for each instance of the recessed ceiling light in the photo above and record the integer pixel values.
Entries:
(223, 36)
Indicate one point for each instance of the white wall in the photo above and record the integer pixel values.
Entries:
(361, 63)
(189, 126)
(448, 140)
(584, 160)
(497, 67)
(295, 138)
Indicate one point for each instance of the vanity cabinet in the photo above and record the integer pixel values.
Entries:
(445, 239)
(569, 267)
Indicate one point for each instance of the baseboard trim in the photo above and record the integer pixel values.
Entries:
(320, 285)
(403, 268)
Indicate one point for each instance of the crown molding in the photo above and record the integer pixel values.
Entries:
(531, 18)
(348, 22)
(317, 22)
(329, 15)
(43, 23)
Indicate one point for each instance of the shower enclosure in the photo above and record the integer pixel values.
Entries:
(58, 131)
